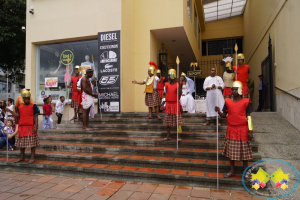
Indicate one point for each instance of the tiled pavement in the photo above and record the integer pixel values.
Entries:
(17, 186)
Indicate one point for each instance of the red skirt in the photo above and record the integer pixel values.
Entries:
(160, 91)
(171, 108)
(227, 91)
(237, 133)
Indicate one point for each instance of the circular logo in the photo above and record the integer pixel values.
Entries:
(270, 178)
(66, 57)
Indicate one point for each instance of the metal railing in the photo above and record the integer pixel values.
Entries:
(298, 98)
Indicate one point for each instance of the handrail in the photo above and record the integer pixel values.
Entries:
(298, 98)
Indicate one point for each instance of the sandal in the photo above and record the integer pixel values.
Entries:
(19, 160)
(219, 124)
(167, 139)
(73, 119)
(158, 117)
(206, 123)
(229, 174)
(149, 118)
(31, 161)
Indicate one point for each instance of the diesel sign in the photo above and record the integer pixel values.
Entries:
(109, 37)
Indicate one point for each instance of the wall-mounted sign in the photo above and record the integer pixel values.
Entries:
(66, 57)
(109, 89)
(194, 73)
(51, 82)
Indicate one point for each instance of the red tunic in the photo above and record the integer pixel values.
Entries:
(26, 120)
(243, 75)
(75, 92)
(160, 87)
(237, 128)
(172, 99)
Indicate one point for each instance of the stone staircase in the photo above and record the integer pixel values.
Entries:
(129, 147)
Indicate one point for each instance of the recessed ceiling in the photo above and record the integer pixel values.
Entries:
(181, 47)
(221, 9)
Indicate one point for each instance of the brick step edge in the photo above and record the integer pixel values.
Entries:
(127, 172)
(140, 142)
(138, 161)
(118, 147)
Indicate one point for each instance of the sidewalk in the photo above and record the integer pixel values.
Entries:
(18, 186)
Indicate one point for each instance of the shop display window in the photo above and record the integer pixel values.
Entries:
(55, 65)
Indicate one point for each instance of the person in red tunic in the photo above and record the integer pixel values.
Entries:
(75, 92)
(237, 144)
(27, 128)
(242, 72)
(161, 84)
(172, 100)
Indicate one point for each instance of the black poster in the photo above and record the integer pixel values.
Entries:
(109, 72)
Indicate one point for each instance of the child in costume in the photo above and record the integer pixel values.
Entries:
(237, 144)
(172, 100)
(27, 127)
(228, 77)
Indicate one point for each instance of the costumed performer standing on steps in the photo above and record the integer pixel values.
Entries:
(161, 84)
(75, 92)
(188, 87)
(27, 127)
(88, 105)
(242, 72)
(213, 85)
(237, 144)
(152, 96)
(228, 77)
(172, 100)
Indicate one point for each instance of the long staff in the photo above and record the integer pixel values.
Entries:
(7, 114)
(177, 61)
(217, 123)
(236, 63)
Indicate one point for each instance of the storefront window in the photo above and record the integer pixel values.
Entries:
(55, 66)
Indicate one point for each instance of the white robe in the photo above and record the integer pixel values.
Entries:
(211, 95)
(187, 100)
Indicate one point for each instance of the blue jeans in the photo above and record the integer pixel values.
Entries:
(46, 122)
(11, 142)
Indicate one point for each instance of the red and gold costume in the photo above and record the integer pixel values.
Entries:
(160, 87)
(26, 138)
(75, 92)
(236, 145)
(172, 105)
(242, 76)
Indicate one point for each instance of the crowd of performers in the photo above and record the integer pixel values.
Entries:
(176, 98)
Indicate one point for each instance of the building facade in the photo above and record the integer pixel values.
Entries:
(193, 30)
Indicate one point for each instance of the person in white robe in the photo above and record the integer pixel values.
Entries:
(187, 101)
(213, 86)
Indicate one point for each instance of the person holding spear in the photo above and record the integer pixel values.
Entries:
(173, 109)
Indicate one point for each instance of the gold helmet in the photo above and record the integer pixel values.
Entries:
(25, 93)
(172, 73)
(158, 71)
(152, 69)
(183, 74)
(77, 67)
(240, 56)
(83, 72)
(228, 64)
(239, 85)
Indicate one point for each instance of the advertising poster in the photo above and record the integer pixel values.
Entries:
(109, 72)
(51, 82)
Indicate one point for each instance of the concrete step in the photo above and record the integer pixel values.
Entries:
(135, 160)
(138, 120)
(138, 142)
(145, 114)
(197, 178)
(144, 126)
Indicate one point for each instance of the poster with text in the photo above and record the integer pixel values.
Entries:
(109, 72)
(51, 82)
